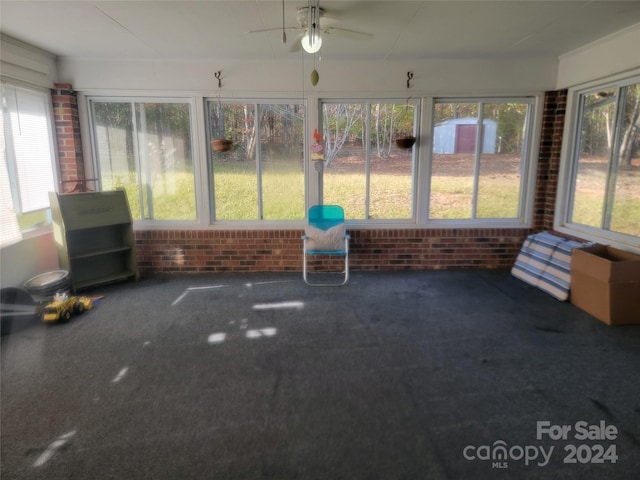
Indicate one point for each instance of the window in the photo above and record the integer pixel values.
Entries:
(475, 164)
(145, 148)
(363, 169)
(479, 159)
(27, 164)
(261, 176)
(604, 191)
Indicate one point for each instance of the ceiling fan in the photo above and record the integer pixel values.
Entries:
(313, 24)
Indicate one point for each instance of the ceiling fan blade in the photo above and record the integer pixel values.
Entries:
(326, 22)
(344, 32)
(296, 46)
(278, 29)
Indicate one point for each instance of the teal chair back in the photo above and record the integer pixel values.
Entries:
(326, 216)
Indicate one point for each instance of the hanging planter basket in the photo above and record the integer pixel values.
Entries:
(221, 144)
(405, 142)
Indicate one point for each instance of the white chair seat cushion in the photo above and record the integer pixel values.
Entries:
(331, 239)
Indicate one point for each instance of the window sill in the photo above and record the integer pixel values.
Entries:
(146, 225)
(617, 240)
(30, 234)
(37, 231)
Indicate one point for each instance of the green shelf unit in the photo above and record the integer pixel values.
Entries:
(94, 237)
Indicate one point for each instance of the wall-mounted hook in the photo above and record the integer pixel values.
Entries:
(218, 75)
(409, 77)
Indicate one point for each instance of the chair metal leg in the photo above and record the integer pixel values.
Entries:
(345, 272)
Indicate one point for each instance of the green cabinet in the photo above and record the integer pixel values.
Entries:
(94, 236)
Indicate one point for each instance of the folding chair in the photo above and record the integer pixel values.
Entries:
(326, 235)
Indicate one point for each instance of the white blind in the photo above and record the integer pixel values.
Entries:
(9, 229)
(32, 147)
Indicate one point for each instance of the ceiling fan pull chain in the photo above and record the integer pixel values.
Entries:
(284, 34)
(309, 19)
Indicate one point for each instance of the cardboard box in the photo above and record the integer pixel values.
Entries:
(605, 282)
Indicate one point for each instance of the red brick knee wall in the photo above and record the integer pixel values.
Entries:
(200, 251)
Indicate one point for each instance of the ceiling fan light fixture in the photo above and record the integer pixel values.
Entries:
(311, 43)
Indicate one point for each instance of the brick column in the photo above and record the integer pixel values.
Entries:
(67, 123)
(555, 105)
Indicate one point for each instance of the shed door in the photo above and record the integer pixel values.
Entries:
(465, 139)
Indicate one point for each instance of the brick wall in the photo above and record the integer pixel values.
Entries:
(197, 251)
(71, 162)
(180, 251)
(555, 104)
(192, 251)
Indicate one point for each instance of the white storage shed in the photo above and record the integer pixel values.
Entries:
(458, 135)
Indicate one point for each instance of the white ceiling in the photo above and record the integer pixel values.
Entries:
(402, 30)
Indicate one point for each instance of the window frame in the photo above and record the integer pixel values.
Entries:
(529, 159)
(209, 159)
(418, 104)
(12, 167)
(313, 116)
(194, 113)
(569, 165)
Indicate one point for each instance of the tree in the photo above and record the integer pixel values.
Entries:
(511, 123)
(250, 137)
(339, 120)
(383, 120)
(344, 122)
(630, 141)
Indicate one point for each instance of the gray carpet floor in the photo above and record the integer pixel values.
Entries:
(403, 375)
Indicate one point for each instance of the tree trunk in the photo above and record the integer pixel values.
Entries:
(335, 140)
(631, 135)
(250, 125)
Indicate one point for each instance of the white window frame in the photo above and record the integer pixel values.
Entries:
(12, 172)
(529, 154)
(256, 102)
(313, 109)
(415, 181)
(568, 164)
(195, 112)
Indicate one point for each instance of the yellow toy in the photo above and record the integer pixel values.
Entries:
(63, 306)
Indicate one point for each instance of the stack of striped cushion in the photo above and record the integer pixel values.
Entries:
(545, 262)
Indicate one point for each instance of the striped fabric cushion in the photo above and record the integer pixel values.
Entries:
(545, 262)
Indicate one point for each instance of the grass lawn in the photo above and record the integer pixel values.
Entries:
(590, 192)
(390, 196)
(625, 216)
(236, 191)
(451, 197)
(171, 201)
(236, 195)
